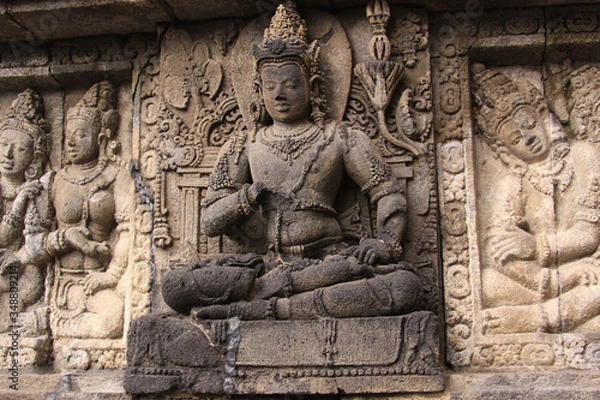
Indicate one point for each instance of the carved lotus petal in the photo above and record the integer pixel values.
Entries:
(210, 82)
(175, 91)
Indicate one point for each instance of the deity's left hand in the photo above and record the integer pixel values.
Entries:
(95, 282)
(373, 251)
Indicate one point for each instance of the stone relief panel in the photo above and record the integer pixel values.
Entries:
(290, 160)
(518, 219)
(77, 233)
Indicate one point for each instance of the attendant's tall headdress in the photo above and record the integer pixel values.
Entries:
(99, 107)
(26, 116)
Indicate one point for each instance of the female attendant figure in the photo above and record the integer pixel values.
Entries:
(24, 211)
(92, 200)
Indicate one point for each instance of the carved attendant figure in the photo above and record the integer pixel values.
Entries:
(24, 211)
(290, 169)
(543, 240)
(92, 198)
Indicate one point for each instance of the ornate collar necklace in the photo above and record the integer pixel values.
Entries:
(551, 174)
(83, 175)
(289, 147)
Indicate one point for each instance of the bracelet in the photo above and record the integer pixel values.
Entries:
(288, 288)
(544, 323)
(270, 313)
(544, 252)
(51, 244)
(12, 219)
(244, 207)
(544, 283)
(62, 240)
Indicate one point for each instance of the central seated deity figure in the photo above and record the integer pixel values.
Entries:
(289, 169)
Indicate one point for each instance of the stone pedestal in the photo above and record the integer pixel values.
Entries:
(326, 356)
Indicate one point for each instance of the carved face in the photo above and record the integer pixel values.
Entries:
(16, 153)
(81, 141)
(525, 136)
(286, 91)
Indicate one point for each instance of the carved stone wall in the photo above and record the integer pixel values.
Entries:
(484, 113)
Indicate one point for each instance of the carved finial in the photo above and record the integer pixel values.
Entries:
(98, 106)
(26, 114)
(497, 97)
(378, 14)
(286, 39)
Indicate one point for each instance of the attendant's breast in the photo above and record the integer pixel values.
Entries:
(69, 203)
(102, 214)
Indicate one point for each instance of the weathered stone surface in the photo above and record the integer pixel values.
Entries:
(301, 357)
(10, 29)
(273, 190)
(515, 258)
(67, 19)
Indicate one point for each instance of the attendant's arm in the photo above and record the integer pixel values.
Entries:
(124, 196)
(582, 238)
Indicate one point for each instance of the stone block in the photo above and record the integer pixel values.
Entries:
(327, 356)
(65, 19)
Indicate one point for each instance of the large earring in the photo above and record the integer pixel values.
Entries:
(33, 171)
(258, 112)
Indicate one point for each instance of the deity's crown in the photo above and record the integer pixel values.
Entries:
(98, 106)
(497, 97)
(26, 114)
(286, 39)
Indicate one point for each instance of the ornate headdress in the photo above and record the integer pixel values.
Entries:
(583, 97)
(286, 39)
(26, 115)
(98, 106)
(497, 98)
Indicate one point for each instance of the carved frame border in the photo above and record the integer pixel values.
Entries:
(523, 37)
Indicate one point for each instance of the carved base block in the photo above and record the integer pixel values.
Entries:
(83, 354)
(326, 356)
(27, 350)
